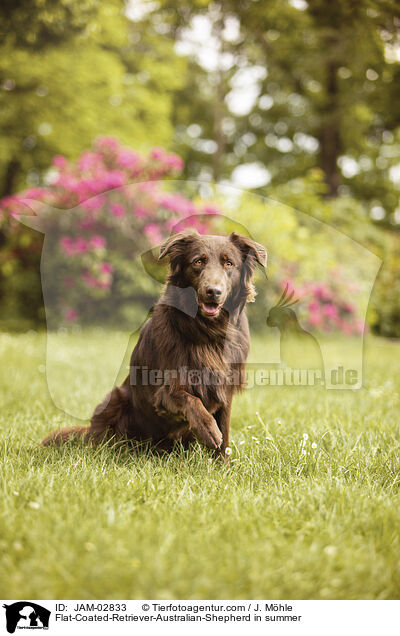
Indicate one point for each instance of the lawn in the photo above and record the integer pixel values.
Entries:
(78, 522)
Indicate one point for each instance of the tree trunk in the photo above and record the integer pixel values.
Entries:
(10, 178)
(219, 106)
(329, 133)
(218, 133)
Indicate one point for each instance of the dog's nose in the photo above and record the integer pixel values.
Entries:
(213, 293)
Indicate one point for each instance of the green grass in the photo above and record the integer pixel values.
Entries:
(78, 522)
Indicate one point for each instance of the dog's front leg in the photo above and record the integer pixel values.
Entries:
(179, 402)
(223, 418)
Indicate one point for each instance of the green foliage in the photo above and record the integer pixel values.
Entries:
(324, 119)
(20, 284)
(325, 94)
(347, 215)
(316, 245)
(385, 306)
(34, 24)
(107, 77)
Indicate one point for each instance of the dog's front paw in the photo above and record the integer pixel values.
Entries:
(207, 432)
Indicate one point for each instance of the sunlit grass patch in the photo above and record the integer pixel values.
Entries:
(308, 508)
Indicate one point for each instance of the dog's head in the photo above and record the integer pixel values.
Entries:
(218, 268)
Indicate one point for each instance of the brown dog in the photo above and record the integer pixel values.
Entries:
(190, 356)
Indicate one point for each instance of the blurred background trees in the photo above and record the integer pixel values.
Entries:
(293, 86)
(294, 99)
(70, 71)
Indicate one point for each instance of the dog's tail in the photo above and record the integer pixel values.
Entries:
(110, 420)
(59, 437)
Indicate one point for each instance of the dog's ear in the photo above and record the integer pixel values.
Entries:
(251, 248)
(252, 253)
(177, 242)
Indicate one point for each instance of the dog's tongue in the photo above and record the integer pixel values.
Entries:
(210, 309)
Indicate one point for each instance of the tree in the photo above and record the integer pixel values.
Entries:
(325, 99)
(72, 72)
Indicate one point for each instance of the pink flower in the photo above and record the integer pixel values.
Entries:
(80, 245)
(10, 200)
(35, 193)
(89, 279)
(157, 153)
(140, 212)
(102, 280)
(177, 203)
(67, 181)
(330, 311)
(346, 328)
(97, 242)
(60, 161)
(127, 158)
(289, 284)
(71, 314)
(175, 162)
(153, 233)
(117, 209)
(149, 187)
(209, 209)
(106, 143)
(314, 306)
(113, 179)
(88, 161)
(348, 308)
(67, 246)
(315, 320)
(191, 222)
(95, 203)
(322, 291)
(88, 222)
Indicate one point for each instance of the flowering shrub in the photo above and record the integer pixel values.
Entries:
(325, 306)
(98, 214)
(102, 212)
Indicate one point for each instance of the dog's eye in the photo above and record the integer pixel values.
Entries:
(228, 263)
(198, 261)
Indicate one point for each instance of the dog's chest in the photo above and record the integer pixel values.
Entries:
(208, 375)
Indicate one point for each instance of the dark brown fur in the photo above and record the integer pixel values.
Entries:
(199, 324)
